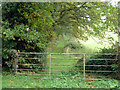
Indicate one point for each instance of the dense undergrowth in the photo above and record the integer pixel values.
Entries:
(109, 62)
(10, 81)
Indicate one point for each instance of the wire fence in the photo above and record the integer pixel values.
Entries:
(82, 65)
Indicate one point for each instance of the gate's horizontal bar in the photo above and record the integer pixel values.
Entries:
(66, 65)
(32, 58)
(51, 64)
(76, 58)
(70, 53)
(33, 69)
(29, 64)
(47, 70)
(90, 75)
(45, 74)
(87, 70)
(31, 53)
(99, 65)
(33, 74)
(54, 58)
(66, 70)
(101, 59)
(57, 75)
(65, 75)
(97, 71)
(81, 65)
(81, 59)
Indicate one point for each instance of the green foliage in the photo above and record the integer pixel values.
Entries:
(29, 26)
(36, 15)
(66, 44)
(81, 19)
(41, 61)
(25, 27)
(113, 63)
(63, 82)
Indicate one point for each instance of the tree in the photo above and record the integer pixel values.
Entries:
(80, 18)
(25, 27)
(85, 19)
(32, 26)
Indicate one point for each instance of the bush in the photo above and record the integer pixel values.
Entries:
(25, 27)
(26, 62)
(113, 63)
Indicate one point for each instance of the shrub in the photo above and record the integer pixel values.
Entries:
(113, 63)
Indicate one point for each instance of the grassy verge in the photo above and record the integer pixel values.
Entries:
(0, 81)
(10, 81)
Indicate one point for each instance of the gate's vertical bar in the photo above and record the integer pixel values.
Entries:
(84, 66)
(116, 58)
(119, 40)
(17, 63)
(50, 67)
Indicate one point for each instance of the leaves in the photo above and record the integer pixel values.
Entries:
(25, 27)
(11, 81)
(29, 26)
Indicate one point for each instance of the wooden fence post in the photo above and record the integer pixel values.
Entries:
(50, 67)
(14, 55)
(84, 66)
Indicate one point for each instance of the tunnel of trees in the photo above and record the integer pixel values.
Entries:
(32, 27)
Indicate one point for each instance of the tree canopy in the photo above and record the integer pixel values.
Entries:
(31, 26)
(80, 18)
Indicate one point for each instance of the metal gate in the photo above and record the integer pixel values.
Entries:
(81, 65)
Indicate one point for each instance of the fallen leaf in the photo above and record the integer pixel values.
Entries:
(11, 81)
(89, 77)
(108, 77)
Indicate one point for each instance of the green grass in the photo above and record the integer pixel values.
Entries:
(10, 81)
(0, 81)
(58, 62)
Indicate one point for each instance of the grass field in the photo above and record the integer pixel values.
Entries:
(58, 62)
(10, 81)
(0, 81)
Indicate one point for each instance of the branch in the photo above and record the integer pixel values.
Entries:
(71, 8)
